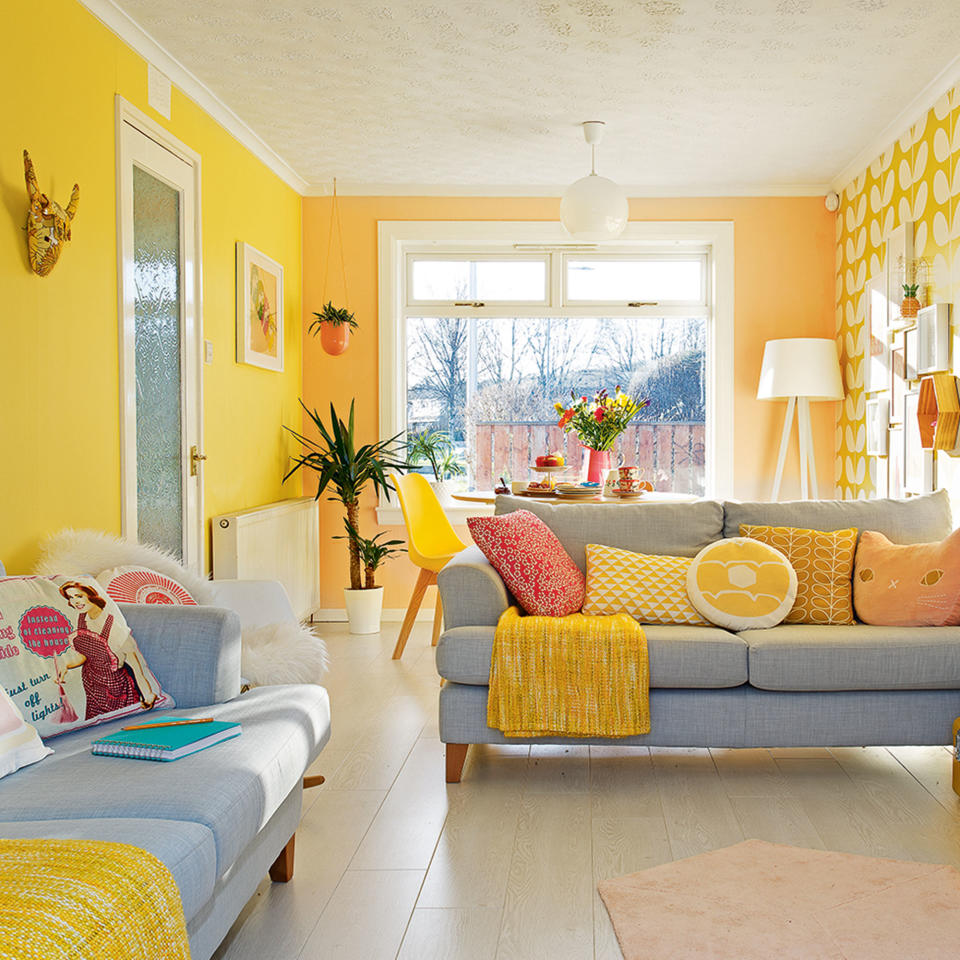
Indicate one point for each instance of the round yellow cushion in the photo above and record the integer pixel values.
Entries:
(742, 584)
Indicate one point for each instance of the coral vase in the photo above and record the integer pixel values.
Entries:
(598, 465)
(334, 339)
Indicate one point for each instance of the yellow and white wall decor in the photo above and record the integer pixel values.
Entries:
(916, 179)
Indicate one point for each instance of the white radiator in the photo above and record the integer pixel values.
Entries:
(278, 541)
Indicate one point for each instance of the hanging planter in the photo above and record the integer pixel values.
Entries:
(333, 324)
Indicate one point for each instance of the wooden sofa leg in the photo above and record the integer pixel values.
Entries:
(456, 755)
(313, 780)
(281, 871)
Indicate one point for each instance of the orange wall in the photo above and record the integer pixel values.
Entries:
(784, 287)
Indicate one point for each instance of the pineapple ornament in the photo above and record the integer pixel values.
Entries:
(909, 305)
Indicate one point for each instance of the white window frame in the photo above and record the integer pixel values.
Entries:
(398, 238)
(410, 256)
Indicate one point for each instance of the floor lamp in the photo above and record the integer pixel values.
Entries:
(799, 370)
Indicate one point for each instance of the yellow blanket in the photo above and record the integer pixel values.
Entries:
(573, 676)
(87, 900)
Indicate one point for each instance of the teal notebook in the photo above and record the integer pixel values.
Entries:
(165, 743)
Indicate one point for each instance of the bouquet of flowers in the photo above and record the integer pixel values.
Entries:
(599, 421)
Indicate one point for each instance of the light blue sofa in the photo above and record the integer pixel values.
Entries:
(218, 819)
(788, 686)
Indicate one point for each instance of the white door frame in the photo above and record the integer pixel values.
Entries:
(128, 117)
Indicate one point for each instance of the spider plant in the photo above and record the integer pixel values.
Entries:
(436, 448)
(339, 463)
(372, 551)
(335, 316)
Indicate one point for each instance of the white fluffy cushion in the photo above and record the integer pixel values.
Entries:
(73, 552)
(20, 744)
(282, 653)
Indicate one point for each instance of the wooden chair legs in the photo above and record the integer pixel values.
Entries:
(456, 754)
(281, 870)
(426, 579)
(437, 620)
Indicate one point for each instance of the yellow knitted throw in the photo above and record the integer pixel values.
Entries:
(572, 676)
(87, 900)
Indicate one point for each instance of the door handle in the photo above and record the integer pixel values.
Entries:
(195, 458)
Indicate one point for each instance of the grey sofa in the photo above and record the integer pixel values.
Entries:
(219, 819)
(787, 686)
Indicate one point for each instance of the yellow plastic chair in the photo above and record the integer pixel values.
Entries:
(431, 543)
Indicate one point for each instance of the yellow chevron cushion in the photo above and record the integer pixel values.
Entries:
(742, 584)
(651, 589)
(824, 565)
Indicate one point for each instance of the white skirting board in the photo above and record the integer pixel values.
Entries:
(390, 615)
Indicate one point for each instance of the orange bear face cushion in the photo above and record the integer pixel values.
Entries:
(907, 585)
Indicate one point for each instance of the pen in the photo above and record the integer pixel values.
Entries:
(169, 723)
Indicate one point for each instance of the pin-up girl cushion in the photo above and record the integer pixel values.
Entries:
(67, 657)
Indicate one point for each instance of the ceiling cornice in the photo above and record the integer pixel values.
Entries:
(945, 80)
(346, 188)
(136, 37)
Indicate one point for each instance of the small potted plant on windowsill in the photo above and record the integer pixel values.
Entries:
(334, 325)
(365, 607)
(436, 448)
(347, 468)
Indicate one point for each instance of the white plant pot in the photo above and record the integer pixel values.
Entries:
(364, 608)
(444, 491)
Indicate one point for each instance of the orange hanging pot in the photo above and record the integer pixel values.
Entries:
(333, 324)
(334, 339)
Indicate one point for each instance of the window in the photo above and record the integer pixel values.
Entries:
(480, 342)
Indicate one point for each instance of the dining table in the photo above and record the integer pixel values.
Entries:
(490, 497)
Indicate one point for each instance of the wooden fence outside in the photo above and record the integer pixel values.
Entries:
(671, 454)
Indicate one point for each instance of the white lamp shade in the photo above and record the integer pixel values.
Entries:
(800, 367)
(594, 208)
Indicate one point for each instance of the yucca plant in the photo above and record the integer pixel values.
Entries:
(372, 551)
(341, 464)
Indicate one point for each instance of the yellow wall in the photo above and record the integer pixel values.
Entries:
(783, 288)
(59, 388)
(917, 178)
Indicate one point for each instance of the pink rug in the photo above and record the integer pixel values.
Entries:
(757, 901)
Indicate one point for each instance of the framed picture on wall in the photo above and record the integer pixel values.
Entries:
(898, 379)
(878, 420)
(933, 339)
(895, 462)
(900, 252)
(911, 341)
(259, 309)
(879, 475)
(918, 464)
(878, 367)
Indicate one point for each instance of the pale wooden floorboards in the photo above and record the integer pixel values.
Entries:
(394, 863)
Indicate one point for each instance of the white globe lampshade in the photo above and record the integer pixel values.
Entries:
(594, 208)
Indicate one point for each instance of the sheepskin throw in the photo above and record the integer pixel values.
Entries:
(90, 552)
(282, 653)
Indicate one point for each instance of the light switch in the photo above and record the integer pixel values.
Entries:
(208, 351)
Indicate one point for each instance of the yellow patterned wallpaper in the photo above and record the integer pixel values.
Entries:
(918, 179)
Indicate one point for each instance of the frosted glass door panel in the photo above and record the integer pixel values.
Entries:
(156, 242)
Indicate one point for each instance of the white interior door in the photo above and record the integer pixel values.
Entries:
(161, 403)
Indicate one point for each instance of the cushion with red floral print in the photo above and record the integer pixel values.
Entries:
(532, 562)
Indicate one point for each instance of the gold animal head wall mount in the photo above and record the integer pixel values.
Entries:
(48, 224)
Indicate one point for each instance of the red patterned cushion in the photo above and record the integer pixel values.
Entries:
(140, 585)
(532, 561)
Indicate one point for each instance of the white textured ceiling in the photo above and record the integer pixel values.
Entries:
(474, 93)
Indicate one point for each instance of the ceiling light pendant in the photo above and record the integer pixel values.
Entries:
(594, 208)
